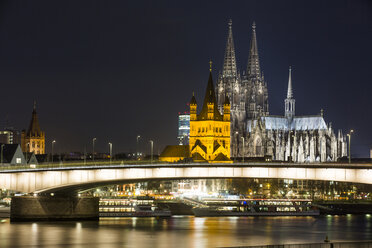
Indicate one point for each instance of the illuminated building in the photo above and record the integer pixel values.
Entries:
(247, 93)
(9, 136)
(210, 130)
(34, 139)
(183, 128)
(286, 138)
(175, 153)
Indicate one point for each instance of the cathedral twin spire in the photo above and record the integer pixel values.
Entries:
(253, 68)
(229, 65)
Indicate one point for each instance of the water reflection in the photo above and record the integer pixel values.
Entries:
(186, 231)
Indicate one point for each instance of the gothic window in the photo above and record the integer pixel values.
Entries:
(258, 146)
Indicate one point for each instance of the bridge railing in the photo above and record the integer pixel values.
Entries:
(135, 163)
(67, 164)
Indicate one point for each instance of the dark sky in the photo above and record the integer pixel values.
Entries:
(116, 69)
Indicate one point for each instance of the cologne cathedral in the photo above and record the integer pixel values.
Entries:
(256, 133)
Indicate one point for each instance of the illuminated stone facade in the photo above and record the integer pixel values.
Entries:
(285, 138)
(247, 92)
(33, 140)
(210, 130)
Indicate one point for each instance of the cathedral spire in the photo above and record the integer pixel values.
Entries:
(253, 68)
(289, 91)
(229, 64)
(289, 101)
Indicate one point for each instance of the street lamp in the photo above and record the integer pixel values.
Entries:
(93, 141)
(2, 148)
(152, 148)
(27, 150)
(53, 149)
(110, 145)
(236, 149)
(138, 137)
(243, 148)
(349, 135)
(85, 155)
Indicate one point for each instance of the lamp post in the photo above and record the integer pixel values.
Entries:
(27, 150)
(349, 135)
(93, 141)
(236, 149)
(110, 146)
(138, 137)
(2, 149)
(152, 148)
(243, 148)
(53, 149)
(85, 155)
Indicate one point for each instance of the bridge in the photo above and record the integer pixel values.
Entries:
(54, 190)
(70, 180)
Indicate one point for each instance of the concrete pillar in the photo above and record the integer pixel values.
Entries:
(31, 208)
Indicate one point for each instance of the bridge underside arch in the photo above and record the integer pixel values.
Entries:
(65, 181)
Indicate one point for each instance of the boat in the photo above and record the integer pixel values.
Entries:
(256, 207)
(131, 208)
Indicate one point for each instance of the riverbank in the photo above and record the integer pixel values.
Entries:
(338, 208)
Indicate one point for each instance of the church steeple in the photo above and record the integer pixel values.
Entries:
(229, 65)
(34, 127)
(253, 68)
(289, 101)
(33, 140)
(210, 107)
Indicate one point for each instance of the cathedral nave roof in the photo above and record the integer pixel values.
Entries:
(301, 123)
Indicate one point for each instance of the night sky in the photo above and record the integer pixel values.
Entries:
(118, 69)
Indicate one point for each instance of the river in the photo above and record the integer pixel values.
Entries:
(185, 231)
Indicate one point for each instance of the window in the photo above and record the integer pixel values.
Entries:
(18, 160)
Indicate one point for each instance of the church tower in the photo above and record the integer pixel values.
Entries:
(34, 139)
(289, 102)
(230, 86)
(210, 129)
(256, 87)
(228, 83)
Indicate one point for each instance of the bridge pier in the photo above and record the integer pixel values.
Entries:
(36, 208)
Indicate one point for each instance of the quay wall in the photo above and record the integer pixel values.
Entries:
(30, 208)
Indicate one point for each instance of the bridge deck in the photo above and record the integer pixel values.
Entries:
(79, 178)
(12, 169)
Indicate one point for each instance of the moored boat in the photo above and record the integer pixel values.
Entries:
(131, 208)
(256, 207)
